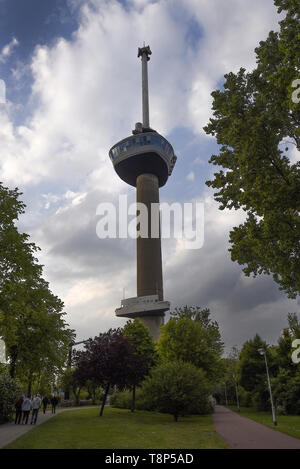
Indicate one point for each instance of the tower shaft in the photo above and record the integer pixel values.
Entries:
(149, 260)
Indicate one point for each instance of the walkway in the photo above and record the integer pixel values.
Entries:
(10, 432)
(243, 433)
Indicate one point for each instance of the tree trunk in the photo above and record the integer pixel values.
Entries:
(133, 399)
(77, 395)
(104, 399)
(176, 417)
(29, 384)
(13, 360)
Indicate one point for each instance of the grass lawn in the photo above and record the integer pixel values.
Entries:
(121, 429)
(289, 424)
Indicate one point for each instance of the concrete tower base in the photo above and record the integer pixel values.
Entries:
(153, 323)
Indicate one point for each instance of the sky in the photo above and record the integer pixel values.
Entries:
(73, 89)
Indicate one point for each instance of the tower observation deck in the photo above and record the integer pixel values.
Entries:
(145, 160)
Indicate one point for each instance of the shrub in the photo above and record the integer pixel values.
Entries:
(67, 403)
(245, 397)
(281, 410)
(9, 391)
(178, 388)
(123, 400)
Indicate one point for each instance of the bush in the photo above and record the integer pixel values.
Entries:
(178, 388)
(261, 400)
(9, 392)
(244, 397)
(123, 400)
(280, 410)
(67, 403)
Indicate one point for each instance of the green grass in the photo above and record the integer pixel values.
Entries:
(289, 424)
(119, 428)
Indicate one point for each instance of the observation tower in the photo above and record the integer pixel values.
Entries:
(145, 160)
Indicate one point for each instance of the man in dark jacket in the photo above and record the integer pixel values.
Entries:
(18, 407)
(45, 403)
(54, 402)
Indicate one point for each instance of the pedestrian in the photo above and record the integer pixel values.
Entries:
(26, 408)
(36, 404)
(18, 407)
(45, 403)
(54, 402)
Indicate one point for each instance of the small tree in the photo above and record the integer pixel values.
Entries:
(109, 360)
(178, 388)
(9, 391)
(196, 341)
(145, 354)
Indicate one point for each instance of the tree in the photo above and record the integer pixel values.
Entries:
(178, 388)
(9, 391)
(256, 122)
(229, 377)
(251, 370)
(144, 348)
(31, 317)
(286, 383)
(194, 341)
(109, 360)
(202, 316)
(284, 348)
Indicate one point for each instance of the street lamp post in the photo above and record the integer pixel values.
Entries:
(69, 365)
(236, 393)
(263, 352)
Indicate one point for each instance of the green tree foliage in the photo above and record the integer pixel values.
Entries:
(255, 122)
(195, 341)
(228, 379)
(178, 388)
(285, 349)
(251, 370)
(9, 392)
(285, 384)
(123, 400)
(31, 318)
(144, 348)
(109, 360)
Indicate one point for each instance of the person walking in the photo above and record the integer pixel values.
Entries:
(54, 402)
(36, 404)
(45, 402)
(18, 407)
(26, 408)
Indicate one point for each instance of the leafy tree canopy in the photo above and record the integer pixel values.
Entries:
(256, 123)
(197, 342)
(31, 317)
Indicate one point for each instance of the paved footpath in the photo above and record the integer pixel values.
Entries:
(243, 433)
(10, 432)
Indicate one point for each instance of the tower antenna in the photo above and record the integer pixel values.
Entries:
(144, 53)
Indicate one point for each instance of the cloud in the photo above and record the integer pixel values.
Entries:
(85, 96)
(86, 91)
(191, 176)
(7, 50)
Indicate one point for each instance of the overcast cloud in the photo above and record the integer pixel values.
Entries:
(82, 95)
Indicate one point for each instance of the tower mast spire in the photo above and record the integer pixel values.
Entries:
(144, 53)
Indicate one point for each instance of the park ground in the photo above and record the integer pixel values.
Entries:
(289, 424)
(122, 429)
